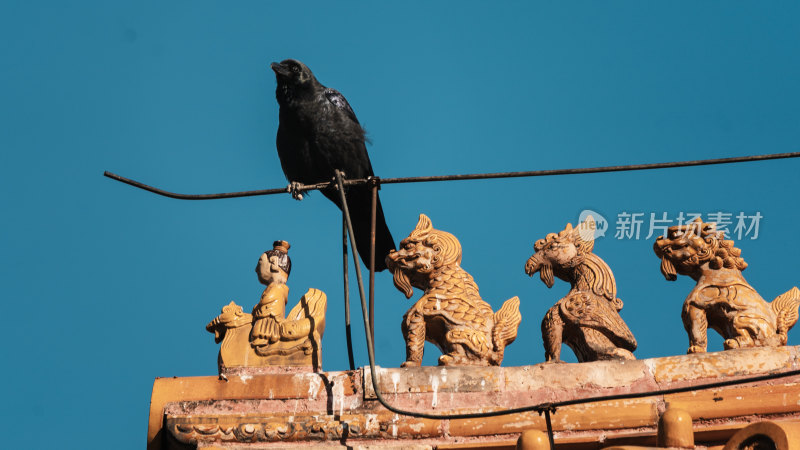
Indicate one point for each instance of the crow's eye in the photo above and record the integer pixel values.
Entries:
(295, 69)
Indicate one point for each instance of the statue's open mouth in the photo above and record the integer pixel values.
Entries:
(401, 262)
(535, 264)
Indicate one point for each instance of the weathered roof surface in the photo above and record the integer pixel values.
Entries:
(337, 408)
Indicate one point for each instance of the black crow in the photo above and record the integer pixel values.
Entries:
(319, 133)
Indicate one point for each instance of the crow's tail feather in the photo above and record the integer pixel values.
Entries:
(359, 202)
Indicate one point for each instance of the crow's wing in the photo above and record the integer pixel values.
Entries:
(344, 149)
(340, 102)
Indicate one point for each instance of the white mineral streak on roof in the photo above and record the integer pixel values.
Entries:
(435, 387)
(338, 392)
(417, 427)
(313, 386)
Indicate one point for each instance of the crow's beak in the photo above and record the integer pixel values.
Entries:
(279, 69)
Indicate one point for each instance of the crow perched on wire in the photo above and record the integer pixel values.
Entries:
(319, 133)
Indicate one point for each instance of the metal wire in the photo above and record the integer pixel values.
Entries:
(353, 247)
(549, 428)
(476, 176)
(373, 222)
(623, 168)
(345, 268)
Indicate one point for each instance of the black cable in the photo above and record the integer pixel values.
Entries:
(624, 168)
(549, 428)
(353, 247)
(346, 281)
(476, 176)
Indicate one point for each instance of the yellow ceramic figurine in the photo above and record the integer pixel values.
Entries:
(722, 299)
(586, 319)
(450, 314)
(273, 270)
(266, 337)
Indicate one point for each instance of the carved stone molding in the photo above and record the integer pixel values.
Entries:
(300, 427)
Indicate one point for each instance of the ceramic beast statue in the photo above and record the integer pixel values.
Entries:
(587, 319)
(451, 313)
(722, 298)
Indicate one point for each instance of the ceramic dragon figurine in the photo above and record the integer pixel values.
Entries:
(722, 299)
(450, 314)
(587, 319)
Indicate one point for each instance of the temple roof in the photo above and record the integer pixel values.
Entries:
(257, 409)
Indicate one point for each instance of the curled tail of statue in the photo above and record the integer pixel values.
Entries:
(786, 309)
(506, 324)
(307, 318)
(359, 202)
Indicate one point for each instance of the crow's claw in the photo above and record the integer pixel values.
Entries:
(296, 189)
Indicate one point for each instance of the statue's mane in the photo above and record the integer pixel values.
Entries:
(446, 246)
(590, 272)
(710, 244)
(597, 276)
(568, 234)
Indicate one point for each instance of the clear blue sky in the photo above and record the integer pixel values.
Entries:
(105, 287)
